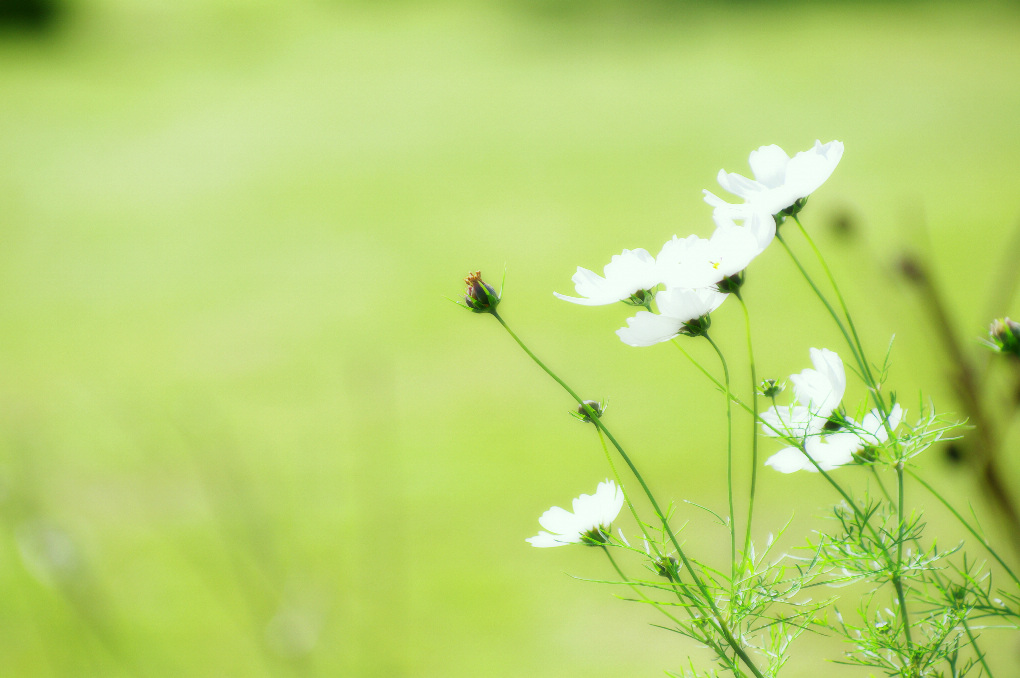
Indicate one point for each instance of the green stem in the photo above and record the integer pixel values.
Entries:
(977, 650)
(626, 497)
(839, 296)
(897, 579)
(818, 293)
(754, 431)
(701, 638)
(719, 385)
(856, 347)
(729, 459)
(717, 617)
(967, 525)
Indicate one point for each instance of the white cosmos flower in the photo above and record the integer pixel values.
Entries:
(817, 393)
(779, 180)
(694, 262)
(592, 516)
(838, 448)
(677, 306)
(758, 222)
(627, 273)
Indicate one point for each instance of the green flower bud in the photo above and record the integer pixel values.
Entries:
(770, 388)
(480, 296)
(582, 411)
(1005, 336)
(668, 567)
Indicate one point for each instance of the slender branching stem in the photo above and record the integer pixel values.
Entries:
(839, 295)
(897, 578)
(641, 594)
(729, 459)
(716, 615)
(754, 432)
(718, 384)
(967, 525)
(977, 650)
(626, 497)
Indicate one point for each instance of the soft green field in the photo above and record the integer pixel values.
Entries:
(242, 433)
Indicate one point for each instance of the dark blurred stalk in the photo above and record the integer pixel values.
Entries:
(969, 384)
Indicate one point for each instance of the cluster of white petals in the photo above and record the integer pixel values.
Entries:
(817, 393)
(593, 514)
(626, 274)
(838, 448)
(677, 307)
(686, 275)
(779, 180)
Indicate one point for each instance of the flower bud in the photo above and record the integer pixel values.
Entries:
(583, 414)
(668, 567)
(1005, 336)
(480, 296)
(770, 388)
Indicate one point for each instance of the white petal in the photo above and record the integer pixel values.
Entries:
(648, 329)
(833, 450)
(795, 421)
(808, 170)
(688, 304)
(558, 520)
(627, 273)
(821, 389)
(789, 460)
(768, 164)
(545, 540)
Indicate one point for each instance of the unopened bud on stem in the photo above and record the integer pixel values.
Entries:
(480, 296)
(1005, 336)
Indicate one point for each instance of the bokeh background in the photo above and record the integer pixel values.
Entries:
(244, 433)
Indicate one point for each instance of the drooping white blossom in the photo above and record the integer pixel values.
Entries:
(779, 180)
(626, 274)
(592, 517)
(677, 307)
(838, 448)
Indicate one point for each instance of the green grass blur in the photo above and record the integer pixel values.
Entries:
(243, 433)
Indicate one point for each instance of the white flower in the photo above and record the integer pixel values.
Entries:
(838, 448)
(694, 262)
(817, 392)
(831, 451)
(626, 274)
(779, 180)
(677, 307)
(592, 516)
(760, 223)
(821, 388)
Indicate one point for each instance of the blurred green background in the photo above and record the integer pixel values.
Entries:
(243, 433)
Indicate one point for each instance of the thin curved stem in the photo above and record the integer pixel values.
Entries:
(897, 579)
(968, 526)
(729, 458)
(637, 590)
(717, 617)
(839, 296)
(626, 497)
(754, 432)
(977, 650)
